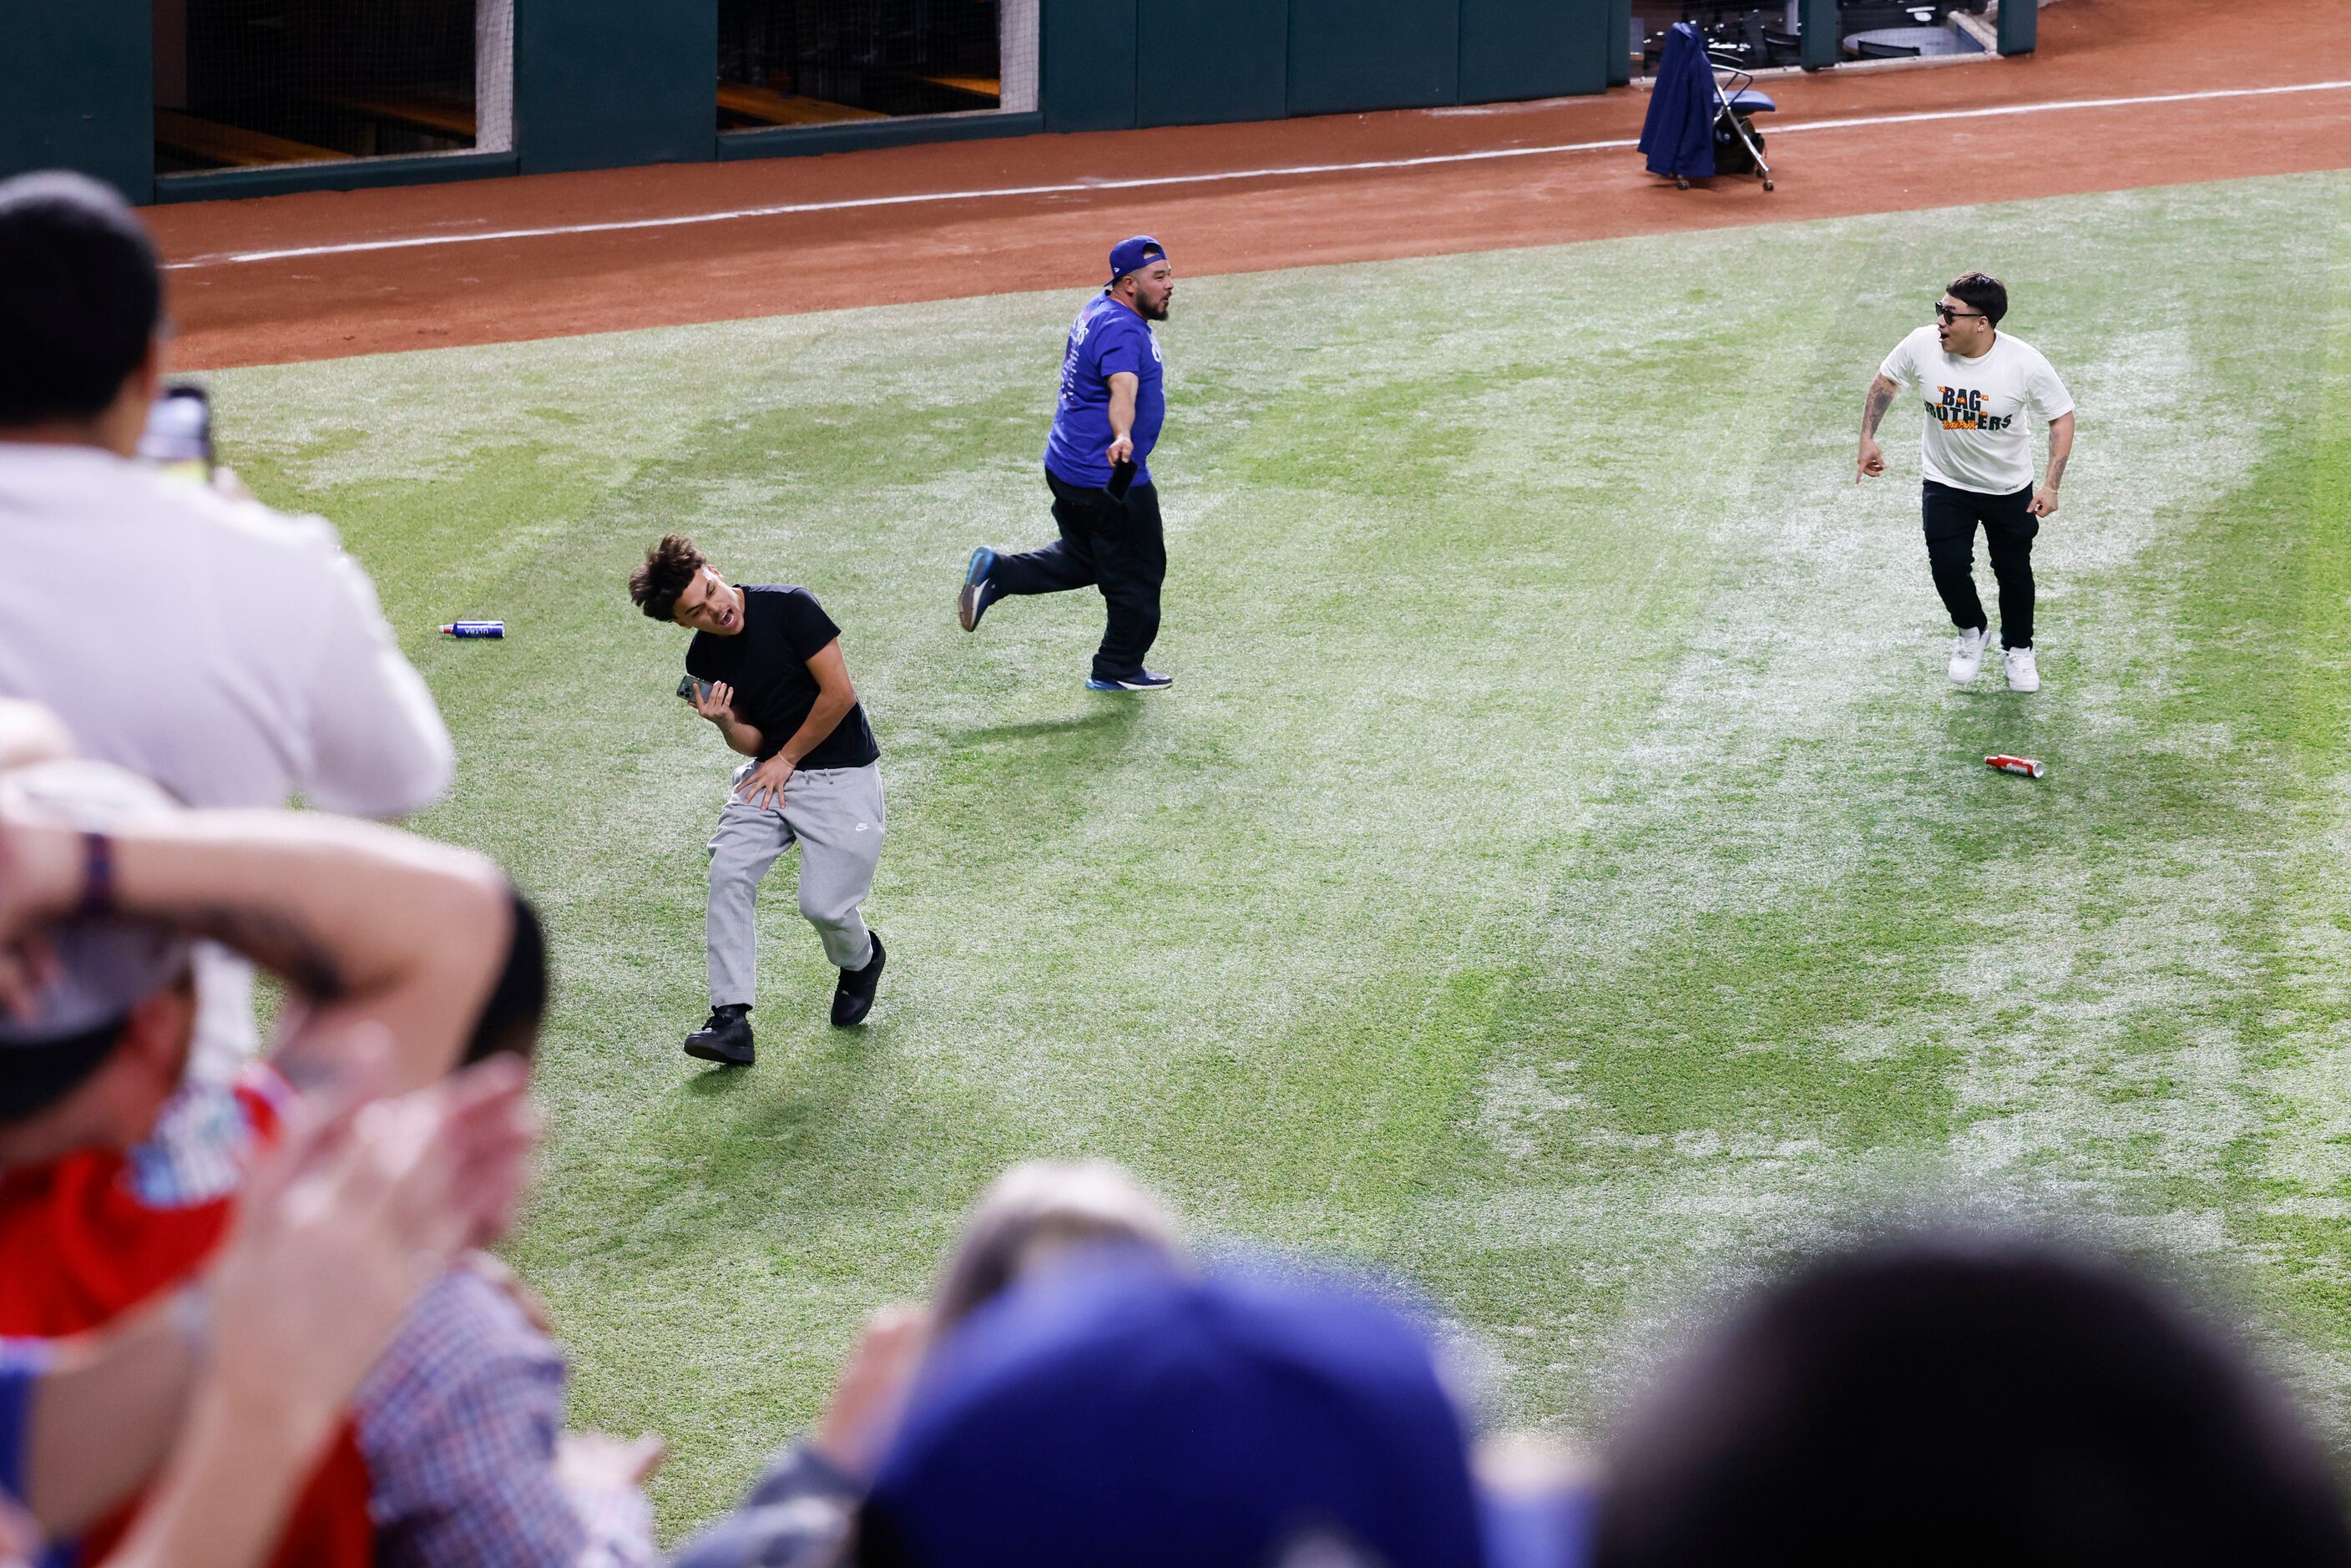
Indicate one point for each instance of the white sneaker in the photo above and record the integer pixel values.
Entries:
(1966, 654)
(2023, 675)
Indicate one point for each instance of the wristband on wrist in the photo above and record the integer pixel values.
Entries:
(96, 876)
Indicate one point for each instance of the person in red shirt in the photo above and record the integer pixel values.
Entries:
(119, 1174)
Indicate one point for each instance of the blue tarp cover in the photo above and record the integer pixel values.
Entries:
(1678, 134)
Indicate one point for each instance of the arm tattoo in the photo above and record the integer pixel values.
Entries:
(2056, 469)
(274, 942)
(1880, 399)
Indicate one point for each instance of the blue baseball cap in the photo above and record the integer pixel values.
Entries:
(1121, 1410)
(1129, 254)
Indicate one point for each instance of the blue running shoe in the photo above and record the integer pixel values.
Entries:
(1140, 681)
(978, 592)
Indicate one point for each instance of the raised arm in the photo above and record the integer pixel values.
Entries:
(383, 937)
(2061, 449)
(1880, 397)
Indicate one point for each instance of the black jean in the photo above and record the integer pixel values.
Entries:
(1116, 546)
(2009, 527)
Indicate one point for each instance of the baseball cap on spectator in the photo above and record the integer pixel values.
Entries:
(101, 967)
(1124, 1410)
(81, 296)
(1129, 254)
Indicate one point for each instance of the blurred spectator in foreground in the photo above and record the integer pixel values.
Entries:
(340, 1232)
(233, 654)
(119, 1172)
(1036, 1218)
(1943, 1400)
(1124, 1411)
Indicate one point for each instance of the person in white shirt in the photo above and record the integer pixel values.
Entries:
(1983, 389)
(232, 654)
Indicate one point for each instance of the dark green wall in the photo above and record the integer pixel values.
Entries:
(1348, 54)
(1086, 72)
(601, 83)
(1202, 62)
(610, 83)
(1817, 30)
(1534, 49)
(78, 90)
(2019, 25)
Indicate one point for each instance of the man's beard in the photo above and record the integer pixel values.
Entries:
(1157, 312)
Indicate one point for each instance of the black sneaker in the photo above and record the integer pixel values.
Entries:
(854, 998)
(1140, 681)
(725, 1038)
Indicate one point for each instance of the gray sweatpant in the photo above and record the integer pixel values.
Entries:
(834, 814)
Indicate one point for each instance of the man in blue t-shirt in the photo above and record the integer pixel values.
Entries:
(1097, 462)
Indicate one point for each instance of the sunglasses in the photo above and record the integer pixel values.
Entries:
(1946, 314)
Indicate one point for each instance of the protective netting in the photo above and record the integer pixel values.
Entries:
(1771, 35)
(240, 83)
(821, 62)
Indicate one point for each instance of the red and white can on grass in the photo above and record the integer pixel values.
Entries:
(2031, 767)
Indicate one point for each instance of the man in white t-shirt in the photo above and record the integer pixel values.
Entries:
(230, 654)
(1982, 389)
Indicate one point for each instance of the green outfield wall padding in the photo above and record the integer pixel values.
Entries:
(1534, 49)
(1817, 32)
(2019, 22)
(603, 83)
(1348, 54)
(1199, 62)
(1086, 77)
(807, 140)
(78, 90)
(355, 174)
(1620, 44)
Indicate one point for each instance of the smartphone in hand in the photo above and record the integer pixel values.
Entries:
(178, 437)
(694, 690)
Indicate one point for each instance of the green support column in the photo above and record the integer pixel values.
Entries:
(1620, 44)
(1817, 24)
(2020, 24)
(78, 90)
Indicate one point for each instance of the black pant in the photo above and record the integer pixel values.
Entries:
(1116, 546)
(2009, 527)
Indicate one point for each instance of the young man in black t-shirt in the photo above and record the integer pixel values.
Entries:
(773, 681)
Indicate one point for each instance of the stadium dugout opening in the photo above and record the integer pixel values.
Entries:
(789, 64)
(242, 84)
(1756, 36)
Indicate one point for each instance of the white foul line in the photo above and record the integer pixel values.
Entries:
(1085, 187)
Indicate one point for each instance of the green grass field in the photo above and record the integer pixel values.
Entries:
(1563, 873)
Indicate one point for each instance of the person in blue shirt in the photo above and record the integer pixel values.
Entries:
(1097, 462)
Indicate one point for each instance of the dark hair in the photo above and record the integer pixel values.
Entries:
(1965, 1400)
(80, 298)
(669, 566)
(1982, 291)
(511, 1014)
(35, 1078)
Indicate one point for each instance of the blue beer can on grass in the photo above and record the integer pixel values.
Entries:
(475, 629)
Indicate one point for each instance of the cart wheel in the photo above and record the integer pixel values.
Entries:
(1767, 184)
(1680, 183)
